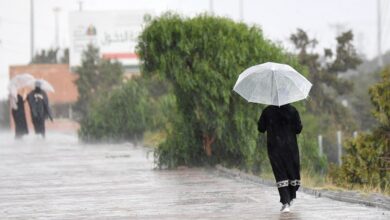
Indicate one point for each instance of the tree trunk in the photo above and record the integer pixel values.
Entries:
(208, 140)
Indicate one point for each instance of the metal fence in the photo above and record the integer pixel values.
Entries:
(332, 146)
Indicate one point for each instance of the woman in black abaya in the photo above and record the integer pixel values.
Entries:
(19, 116)
(282, 125)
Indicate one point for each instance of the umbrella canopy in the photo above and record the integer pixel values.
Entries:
(18, 82)
(272, 84)
(43, 84)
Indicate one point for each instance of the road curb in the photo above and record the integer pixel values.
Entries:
(374, 200)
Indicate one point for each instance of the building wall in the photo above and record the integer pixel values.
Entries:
(63, 81)
(58, 75)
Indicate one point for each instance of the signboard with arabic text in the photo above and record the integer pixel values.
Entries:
(115, 33)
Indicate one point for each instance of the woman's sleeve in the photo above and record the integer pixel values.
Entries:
(262, 124)
(47, 106)
(298, 123)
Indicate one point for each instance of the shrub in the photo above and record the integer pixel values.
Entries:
(122, 114)
(365, 161)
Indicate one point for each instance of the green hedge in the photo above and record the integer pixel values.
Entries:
(121, 114)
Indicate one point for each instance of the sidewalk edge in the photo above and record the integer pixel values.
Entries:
(339, 196)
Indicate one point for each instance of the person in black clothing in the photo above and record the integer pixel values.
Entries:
(40, 110)
(282, 125)
(18, 114)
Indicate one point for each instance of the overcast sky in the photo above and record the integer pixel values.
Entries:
(322, 19)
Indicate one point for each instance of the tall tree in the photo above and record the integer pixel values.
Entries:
(202, 57)
(303, 43)
(324, 76)
(65, 56)
(51, 56)
(346, 54)
(123, 114)
(96, 77)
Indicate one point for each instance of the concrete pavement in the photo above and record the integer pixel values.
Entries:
(59, 178)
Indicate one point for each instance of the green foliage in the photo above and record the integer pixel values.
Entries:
(366, 159)
(65, 56)
(128, 111)
(380, 98)
(327, 86)
(96, 77)
(50, 56)
(4, 114)
(308, 145)
(123, 115)
(178, 149)
(201, 58)
(363, 164)
(346, 55)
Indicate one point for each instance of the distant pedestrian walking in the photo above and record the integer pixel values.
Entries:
(17, 83)
(39, 106)
(282, 125)
(18, 114)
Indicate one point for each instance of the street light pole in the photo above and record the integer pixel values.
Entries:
(32, 29)
(211, 6)
(57, 30)
(80, 5)
(379, 34)
(241, 8)
(0, 30)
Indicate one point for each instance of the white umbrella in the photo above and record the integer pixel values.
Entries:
(20, 81)
(43, 84)
(17, 82)
(272, 84)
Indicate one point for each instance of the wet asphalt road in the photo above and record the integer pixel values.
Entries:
(60, 178)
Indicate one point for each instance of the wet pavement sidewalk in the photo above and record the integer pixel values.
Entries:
(59, 178)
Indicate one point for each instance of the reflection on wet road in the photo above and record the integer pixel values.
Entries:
(60, 178)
